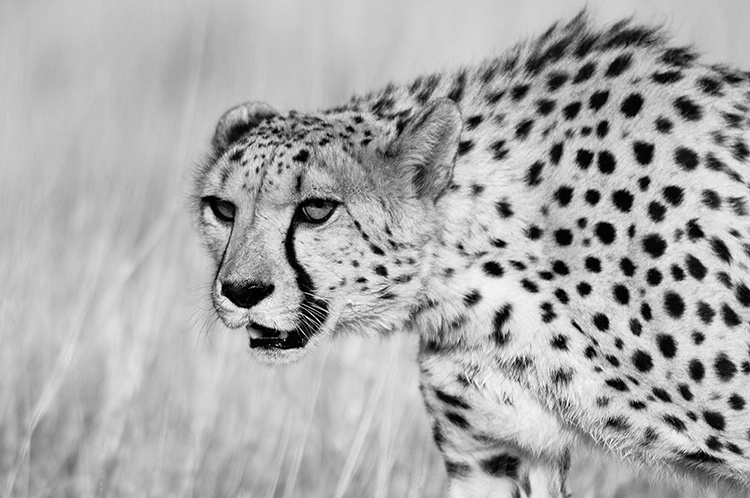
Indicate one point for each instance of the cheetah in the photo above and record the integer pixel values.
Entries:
(565, 226)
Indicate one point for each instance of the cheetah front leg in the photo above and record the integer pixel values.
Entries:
(496, 439)
(499, 470)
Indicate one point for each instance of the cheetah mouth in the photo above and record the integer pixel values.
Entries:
(262, 337)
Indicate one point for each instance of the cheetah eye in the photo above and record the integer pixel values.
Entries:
(223, 210)
(317, 210)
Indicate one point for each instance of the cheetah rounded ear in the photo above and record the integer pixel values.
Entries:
(426, 149)
(239, 120)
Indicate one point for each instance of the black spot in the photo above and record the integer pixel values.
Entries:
(742, 294)
(560, 268)
(563, 237)
(616, 423)
(584, 158)
(534, 232)
(501, 466)
(637, 405)
(592, 197)
(602, 129)
(679, 57)
(560, 341)
(605, 232)
(571, 111)
(663, 125)
(705, 312)
(698, 337)
(714, 419)
(713, 443)
(710, 199)
(646, 311)
(685, 392)
(585, 72)
(529, 286)
(601, 322)
(675, 422)
(621, 294)
(562, 376)
(654, 245)
(606, 162)
(729, 316)
(301, 156)
(519, 92)
(472, 298)
(499, 150)
(457, 91)
(504, 209)
(736, 402)
(598, 100)
(653, 277)
(623, 200)
(465, 146)
(555, 153)
(545, 107)
(381, 270)
(548, 312)
(501, 318)
(697, 370)
(631, 106)
(583, 288)
(673, 195)
(721, 250)
(593, 264)
(667, 345)
(613, 360)
(644, 152)
(617, 384)
(694, 230)
(627, 267)
(724, 367)
(524, 128)
(563, 195)
(686, 158)
(688, 109)
(674, 305)
(377, 250)
(642, 361)
(740, 151)
(493, 269)
(556, 80)
(619, 65)
(667, 77)
(662, 394)
(635, 327)
(709, 86)
(656, 211)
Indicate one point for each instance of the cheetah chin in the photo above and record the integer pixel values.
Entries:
(566, 227)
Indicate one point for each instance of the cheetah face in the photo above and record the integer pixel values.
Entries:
(313, 236)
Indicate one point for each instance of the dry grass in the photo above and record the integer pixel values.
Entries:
(114, 378)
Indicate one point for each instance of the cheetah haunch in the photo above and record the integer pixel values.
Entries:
(566, 227)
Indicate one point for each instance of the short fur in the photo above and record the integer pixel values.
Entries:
(573, 250)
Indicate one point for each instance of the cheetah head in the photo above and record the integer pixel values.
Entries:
(321, 224)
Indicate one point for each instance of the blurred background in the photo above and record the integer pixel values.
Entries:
(115, 379)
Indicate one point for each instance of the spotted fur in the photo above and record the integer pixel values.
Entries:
(565, 226)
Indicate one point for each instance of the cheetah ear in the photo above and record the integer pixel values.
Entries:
(426, 150)
(239, 120)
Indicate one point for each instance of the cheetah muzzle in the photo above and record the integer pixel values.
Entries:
(566, 227)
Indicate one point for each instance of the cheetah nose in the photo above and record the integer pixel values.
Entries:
(246, 294)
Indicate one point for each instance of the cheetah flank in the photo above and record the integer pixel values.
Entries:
(566, 227)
